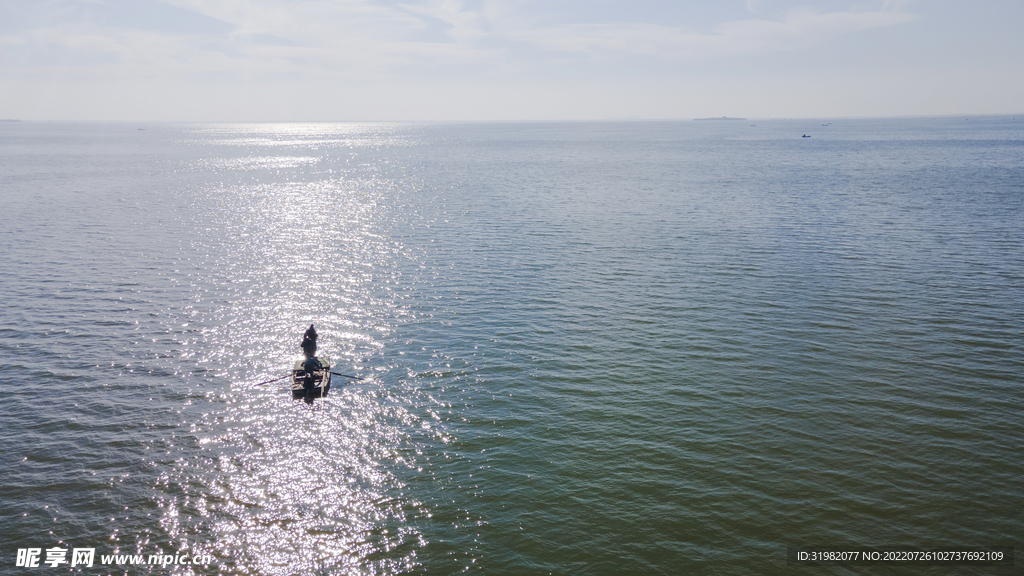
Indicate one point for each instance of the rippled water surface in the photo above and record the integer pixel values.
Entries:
(587, 348)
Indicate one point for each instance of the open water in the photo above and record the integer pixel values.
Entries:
(589, 348)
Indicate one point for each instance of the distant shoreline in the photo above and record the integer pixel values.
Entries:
(8, 120)
(719, 118)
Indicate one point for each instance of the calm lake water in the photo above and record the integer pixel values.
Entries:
(588, 348)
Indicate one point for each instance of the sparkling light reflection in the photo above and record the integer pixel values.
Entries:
(299, 233)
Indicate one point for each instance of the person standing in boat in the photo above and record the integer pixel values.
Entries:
(309, 342)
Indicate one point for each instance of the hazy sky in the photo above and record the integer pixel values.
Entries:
(508, 59)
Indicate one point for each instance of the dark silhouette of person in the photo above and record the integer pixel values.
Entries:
(309, 342)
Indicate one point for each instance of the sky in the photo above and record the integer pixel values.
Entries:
(469, 60)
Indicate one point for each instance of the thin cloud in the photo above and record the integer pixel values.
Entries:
(369, 38)
(451, 59)
(800, 28)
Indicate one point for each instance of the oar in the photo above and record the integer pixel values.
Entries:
(274, 380)
(347, 376)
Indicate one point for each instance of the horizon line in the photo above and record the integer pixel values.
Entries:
(520, 120)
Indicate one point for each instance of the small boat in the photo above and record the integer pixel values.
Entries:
(321, 379)
(806, 136)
